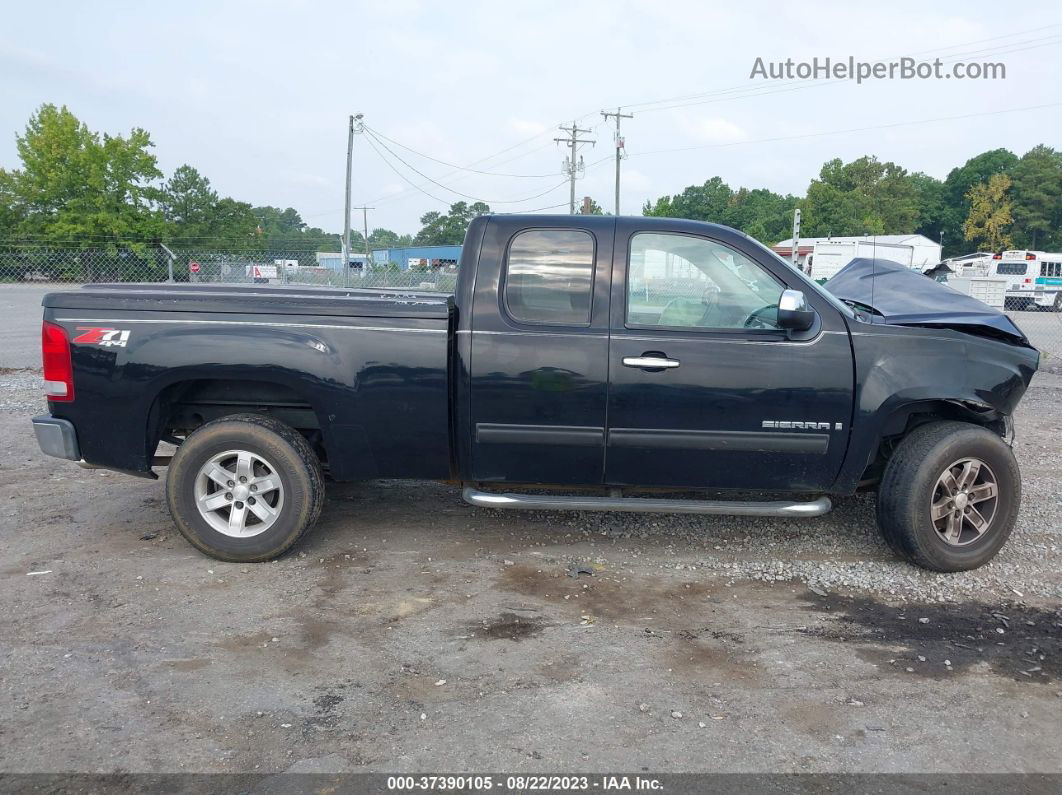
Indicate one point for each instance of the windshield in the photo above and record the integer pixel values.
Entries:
(807, 283)
(1012, 268)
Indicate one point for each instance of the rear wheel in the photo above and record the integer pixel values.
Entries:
(949, 496)
(244, 488)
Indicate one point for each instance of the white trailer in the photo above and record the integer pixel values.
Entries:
(986, 289)
(829, 256)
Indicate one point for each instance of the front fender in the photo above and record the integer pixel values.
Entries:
(903, 370)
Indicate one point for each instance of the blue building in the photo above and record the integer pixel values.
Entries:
(424, 256)
(404, 258)
(333, 260)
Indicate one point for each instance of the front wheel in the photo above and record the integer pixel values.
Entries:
(244, 488)
(949, 497)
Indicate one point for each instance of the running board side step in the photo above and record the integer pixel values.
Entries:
(546, 502)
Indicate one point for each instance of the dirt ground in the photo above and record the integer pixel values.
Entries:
(411, 632)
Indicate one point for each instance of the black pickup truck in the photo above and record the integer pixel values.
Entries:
(586, 363)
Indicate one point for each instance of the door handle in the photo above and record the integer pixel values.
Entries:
(650, 362)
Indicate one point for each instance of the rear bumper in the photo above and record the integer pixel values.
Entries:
(56, 437)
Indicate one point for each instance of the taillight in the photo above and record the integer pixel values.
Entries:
(58, 369)
(997, 256)
(1030, 257)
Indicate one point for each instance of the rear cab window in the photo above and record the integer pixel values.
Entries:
(549, 277)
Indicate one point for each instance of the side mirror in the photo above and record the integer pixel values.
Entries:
(794, 314)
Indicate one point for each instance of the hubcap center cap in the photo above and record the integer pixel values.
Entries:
(241, 492)
(961, 500)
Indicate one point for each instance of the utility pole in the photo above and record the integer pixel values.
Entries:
(346, 205)
(794, 254)
(365, 228)
(620, 152)
(572, 167)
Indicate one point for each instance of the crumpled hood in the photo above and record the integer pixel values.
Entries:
(906, 297)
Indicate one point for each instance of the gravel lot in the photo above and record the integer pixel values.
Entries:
(412, 632)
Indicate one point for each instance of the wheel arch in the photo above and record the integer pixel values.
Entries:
(898, 421)
(185, 403)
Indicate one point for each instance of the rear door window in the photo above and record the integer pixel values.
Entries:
(549, 277)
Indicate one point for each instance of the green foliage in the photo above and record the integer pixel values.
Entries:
(439, 229)
(385, 238)
(284, 230)
(865, 196)
(990, 213)
(1037, 191)
(761, 213)
(76, 185)
(195, 216)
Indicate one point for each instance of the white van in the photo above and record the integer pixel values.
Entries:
(1034, 278)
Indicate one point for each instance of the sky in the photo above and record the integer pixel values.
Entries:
(257, 95)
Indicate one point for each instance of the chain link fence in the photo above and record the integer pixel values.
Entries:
(83, 265)
(45, 264)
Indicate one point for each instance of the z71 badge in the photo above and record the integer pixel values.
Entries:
(108, 337)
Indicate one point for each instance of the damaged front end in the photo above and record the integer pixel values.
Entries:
(924, 352)
(898, 296)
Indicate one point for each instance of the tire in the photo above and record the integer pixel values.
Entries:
(1058, 302)
(915, 481)
(280, 500)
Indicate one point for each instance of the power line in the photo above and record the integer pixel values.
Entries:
(371, 140)
(518, 144)
(850, 130)
(379, 134)
(800, 85)
(746, 88)
(452, 190)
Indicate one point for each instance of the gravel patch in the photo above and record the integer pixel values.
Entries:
(841, 551)
(22, 391)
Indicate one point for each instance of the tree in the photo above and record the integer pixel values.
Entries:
(1037, 196)
(196, 218)
(990, 213)
(284, 231)
(78, 186)
(187, 200)
(957, 185)
(438, 229)
(931, 203)
(865, 196)
(385, 238)
(707, 202)
(760, 213)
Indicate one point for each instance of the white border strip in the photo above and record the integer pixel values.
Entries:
(246, 323)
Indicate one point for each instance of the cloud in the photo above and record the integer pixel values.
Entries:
(635, 179)
(526, 127)
(716, 131)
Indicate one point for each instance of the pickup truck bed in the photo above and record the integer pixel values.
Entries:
(366, 369)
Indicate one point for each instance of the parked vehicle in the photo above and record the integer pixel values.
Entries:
(830, 256)
(967, 266)
(1034, 279)
(593, 358)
